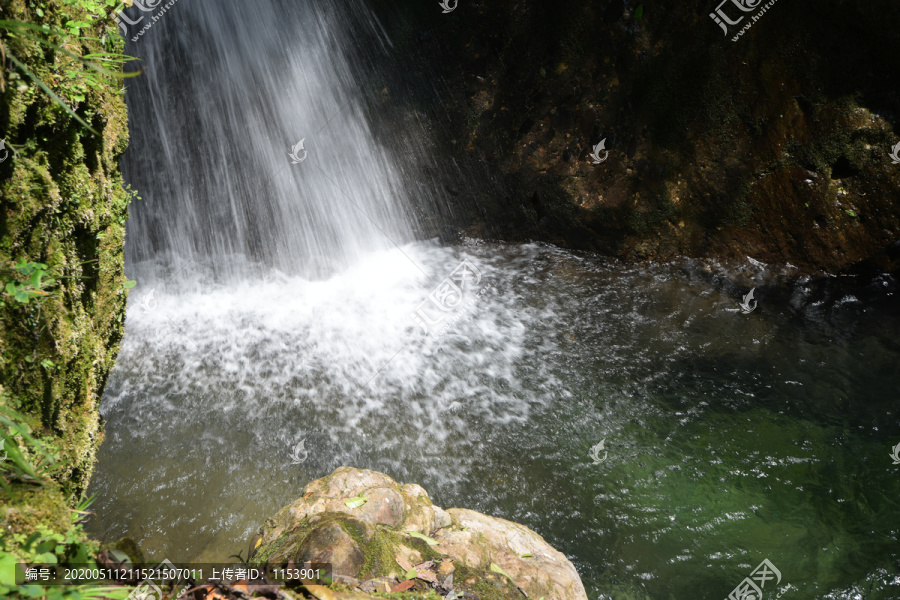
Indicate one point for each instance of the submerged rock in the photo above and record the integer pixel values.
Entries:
(397, 540)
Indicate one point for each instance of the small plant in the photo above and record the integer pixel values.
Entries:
(46, 547)
(36, 284)
(75, 83)
(18, 465)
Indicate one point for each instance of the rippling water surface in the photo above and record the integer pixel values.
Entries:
(729, 438)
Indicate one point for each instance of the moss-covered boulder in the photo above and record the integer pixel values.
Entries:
(380, 535)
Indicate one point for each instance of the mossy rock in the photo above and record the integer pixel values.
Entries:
(398, 527)
(64, 205)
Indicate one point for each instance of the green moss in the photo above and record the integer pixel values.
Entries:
(488, 585)
(27, 507)
(380, 551)
(64, 205)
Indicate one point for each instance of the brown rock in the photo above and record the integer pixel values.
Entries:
(445, 569)
(406, 507)
(330, 542)
(320, 528)
(490, 539)
(380, 584)
(385, 506)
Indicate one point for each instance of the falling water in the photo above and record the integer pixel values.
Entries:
(228, 90)
(281, 315)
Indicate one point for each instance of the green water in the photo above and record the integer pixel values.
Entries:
(731, 438)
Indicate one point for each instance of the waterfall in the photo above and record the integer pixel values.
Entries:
(229, 89)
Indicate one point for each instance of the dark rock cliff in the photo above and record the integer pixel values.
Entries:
(774, 146)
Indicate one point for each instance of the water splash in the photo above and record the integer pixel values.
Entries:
(228, 90)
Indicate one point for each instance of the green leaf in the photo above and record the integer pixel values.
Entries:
(104, 593)
(639, 13)
(427, 539)
(527, 555)
(496, 569)
(851, 213)
(46, 557)
(129, 284)
(81, 556)
(24, 267)
(7, 569)
(31, 539)
(411, 574)
(357, 501)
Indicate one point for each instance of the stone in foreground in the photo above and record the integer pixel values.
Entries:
(370, 547)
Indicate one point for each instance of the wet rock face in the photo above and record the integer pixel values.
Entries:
(776, 145)
(371, 547)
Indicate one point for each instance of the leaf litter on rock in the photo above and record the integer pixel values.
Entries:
(428, 540)
(357, 501)
(403, 585)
